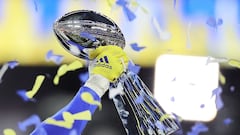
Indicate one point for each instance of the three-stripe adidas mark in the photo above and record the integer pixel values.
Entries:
(103, 62)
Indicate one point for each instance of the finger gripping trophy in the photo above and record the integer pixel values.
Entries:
(96, 38)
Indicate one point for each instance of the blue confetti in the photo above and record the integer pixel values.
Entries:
(35, 5)
(174, 3)
(232, 88)
(213, 22)
(139, 99)
(218, 101)
(133, 68)
(57, 59)
(198, 128)
(22, 94)
(227, 121)
(88, 36)
(83, 77)
(32, 120)
(159, 125)
(172, 99)
(12, 64)
(136, 47)
(131, 16)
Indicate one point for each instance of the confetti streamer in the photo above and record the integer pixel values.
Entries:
(139, 99)
(3, 71)
(57, 59)
(68, 119)
(38, 82)
(32, 120)
(227, 121)
(213, 22)
(174, 4)
(164, 117)
(222, 78)
(88, 98)
(136, 47)
(232, 88)
(35, 5)
(110, 2)
(9, 131)
(83, 77)
(218, 101)
(131, 16)
(28, 95)
(133, 67)
(87, 36)
(12, 64)
(198, 128)
(63, 69)
(234, 63)
(162, 34)
(116, 91)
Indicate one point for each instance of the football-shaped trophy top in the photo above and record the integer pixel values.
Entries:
(81, 30)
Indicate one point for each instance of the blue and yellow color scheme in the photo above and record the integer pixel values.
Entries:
(190, 27)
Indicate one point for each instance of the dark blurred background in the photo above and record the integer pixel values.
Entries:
(186, 27)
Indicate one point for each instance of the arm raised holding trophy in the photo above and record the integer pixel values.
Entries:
(97, 39)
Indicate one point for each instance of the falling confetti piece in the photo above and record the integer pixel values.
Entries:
(63, 69)
(218, 100)
(227, 121)
(68, 119)
(22, 94)
(133, 67)
(172, 99)
(159, 125)
(131, 16)
(136, 47)
(83, 77)
(222, 78)
(57, 59)
(3, 71)
(174, 4)
(12, 64)
(88, 98)
(87, 36)
(232, 88)
(38, 82)
(74, 65)
(164, 117)
(197, 128)
(163, 35)
(116, 91)
(202, 106)
(139, 99)
(234, 63)
(32, 120)
(9, 131)
(110, 2)
(35, 5)
(213, 22)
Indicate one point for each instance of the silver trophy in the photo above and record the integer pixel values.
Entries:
(81, 30)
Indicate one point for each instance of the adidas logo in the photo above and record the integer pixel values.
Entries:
(103, 62)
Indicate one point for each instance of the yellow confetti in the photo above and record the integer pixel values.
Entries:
(234, 63)
(110, 2)
(63, 69)
(222, 78)
(37, 84)
(164, 117)
(9, 131)
(87, 97)
(74, 65)
(68, 119)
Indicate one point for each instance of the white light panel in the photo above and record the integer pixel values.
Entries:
(184, 84)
